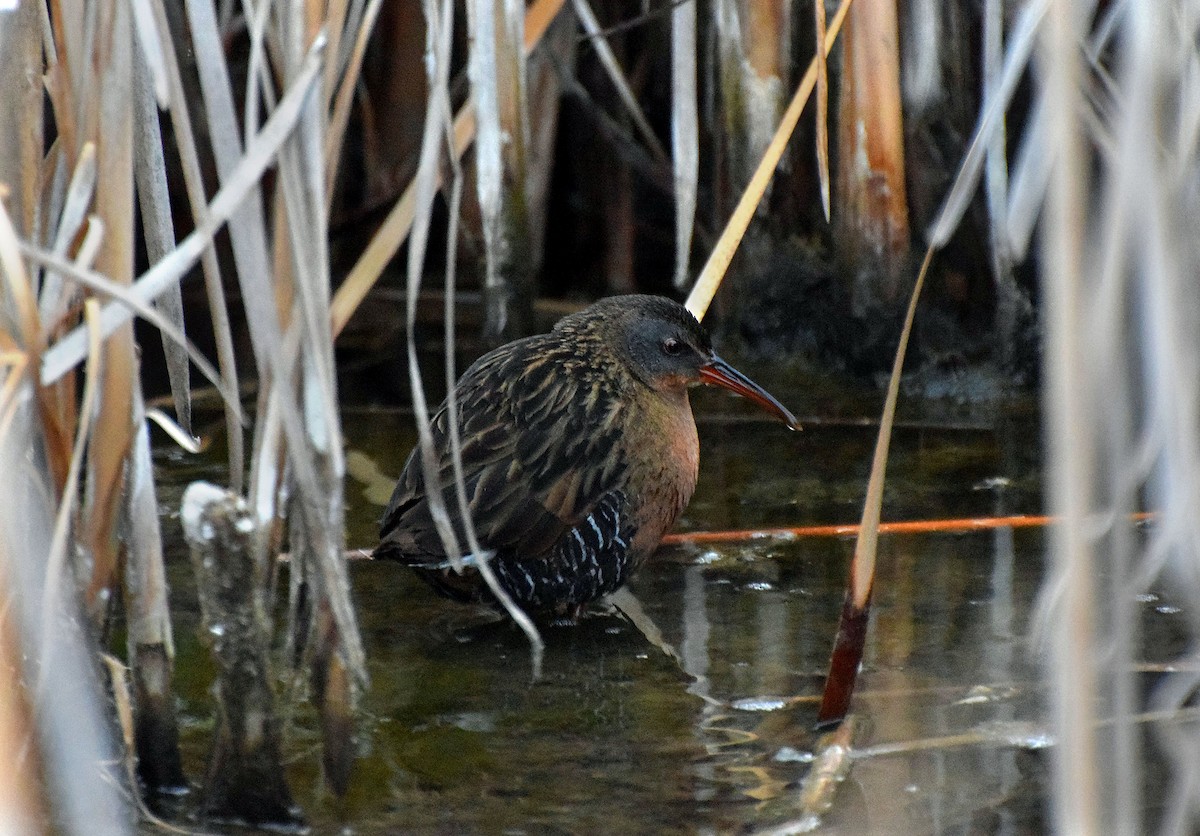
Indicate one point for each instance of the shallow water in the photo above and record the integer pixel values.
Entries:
(619, 737)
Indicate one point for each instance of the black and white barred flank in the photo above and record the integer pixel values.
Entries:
(591, 560)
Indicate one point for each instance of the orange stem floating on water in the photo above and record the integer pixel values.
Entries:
(897, 527)
(958, 524)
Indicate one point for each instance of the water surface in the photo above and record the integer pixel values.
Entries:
(619, 737)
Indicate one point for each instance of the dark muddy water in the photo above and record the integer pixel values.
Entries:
(618, 737)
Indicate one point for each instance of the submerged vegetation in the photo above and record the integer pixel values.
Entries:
(239, 176)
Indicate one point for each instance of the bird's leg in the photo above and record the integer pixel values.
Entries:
(568, 615)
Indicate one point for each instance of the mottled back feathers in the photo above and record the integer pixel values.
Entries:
(551, 452)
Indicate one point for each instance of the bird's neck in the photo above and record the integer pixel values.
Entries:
(667, 465)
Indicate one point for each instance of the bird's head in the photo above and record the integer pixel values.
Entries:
(665, 348)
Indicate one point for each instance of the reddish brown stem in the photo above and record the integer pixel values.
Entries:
(845, 661)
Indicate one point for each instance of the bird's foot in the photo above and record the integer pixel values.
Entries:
(568, 615)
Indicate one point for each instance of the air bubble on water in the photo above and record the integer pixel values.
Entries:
(761, 703)
(789, 755)
(992, 483)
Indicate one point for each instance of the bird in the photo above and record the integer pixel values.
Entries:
(578, 452)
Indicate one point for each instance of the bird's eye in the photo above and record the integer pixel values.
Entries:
(671, 346)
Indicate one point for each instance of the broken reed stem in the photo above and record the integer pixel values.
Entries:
(245, 780)
(871, 225)
(831, 765)
(150, 641)
(833, 757)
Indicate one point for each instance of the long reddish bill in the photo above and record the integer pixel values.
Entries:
(719, 373)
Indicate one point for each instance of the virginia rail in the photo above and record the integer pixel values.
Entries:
(579, 452)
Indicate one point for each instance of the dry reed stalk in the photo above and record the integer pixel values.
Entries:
(822, 109)
(1138, 387)
(685, 133)
(722, 254)
(247, 231)
(297, 465)
(72, 743)
(21, 131)
(924, 47)
(303, 224)
(437, 131)
(65, 203)
(1071, 442)
(343, 97)
(108, 119)
(154, 726)
(395, 229)
(872, 219)
(158, 229)
(62, 72)
(754, 48)
(189, 161)
(1026, 191)
(22, 803)
(151, 645)
(1011, 303)
(332, 647)
(58, 571)
(439, 29)
(323, 629)
(98, 76)
(497, 70)
(850, 642)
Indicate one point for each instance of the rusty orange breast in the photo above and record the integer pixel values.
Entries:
(664, 460)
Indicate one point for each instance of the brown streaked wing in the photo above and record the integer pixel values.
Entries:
(537, 454)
